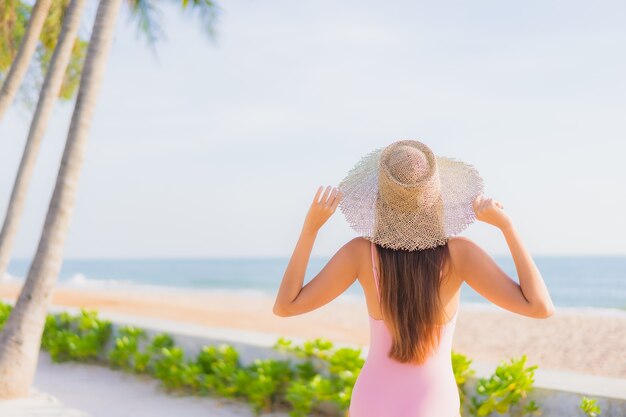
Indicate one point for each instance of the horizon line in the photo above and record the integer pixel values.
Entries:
(192, 258)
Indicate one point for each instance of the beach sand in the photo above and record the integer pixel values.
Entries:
(589, 341)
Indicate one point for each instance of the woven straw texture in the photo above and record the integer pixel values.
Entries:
(404, 197)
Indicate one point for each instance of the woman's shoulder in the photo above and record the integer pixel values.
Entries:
(358, 243)
(358, 249)
(461, 245)
(462, 250)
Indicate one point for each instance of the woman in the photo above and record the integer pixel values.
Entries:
(407, 204)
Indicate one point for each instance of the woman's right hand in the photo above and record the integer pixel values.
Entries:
(491, 211)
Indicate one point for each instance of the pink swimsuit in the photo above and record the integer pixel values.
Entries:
(388, 388)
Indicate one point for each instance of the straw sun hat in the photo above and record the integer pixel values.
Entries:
(404, 197)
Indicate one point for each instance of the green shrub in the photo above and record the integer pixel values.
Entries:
(305, 395)
(160, 341)
(81, 337)
(506, 390)
(461, 365)
(327, 375)
(174, 371)
(462, 371)
(125, 353)
(589, 407)
(5, 311)
(220, 366)
(344, 365)
(302, 396)
(264, 382)
(305, 370)
(316, 348)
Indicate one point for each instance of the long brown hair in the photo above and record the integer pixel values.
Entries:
(409, 289)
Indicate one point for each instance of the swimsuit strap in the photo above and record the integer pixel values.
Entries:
(374, 269)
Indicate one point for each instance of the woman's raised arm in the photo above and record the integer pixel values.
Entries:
(530, 297)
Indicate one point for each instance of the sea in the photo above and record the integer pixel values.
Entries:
(580, 281)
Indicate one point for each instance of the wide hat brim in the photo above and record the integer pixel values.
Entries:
(460, 184)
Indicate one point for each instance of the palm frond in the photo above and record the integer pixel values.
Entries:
(148, 18)
(207, 11)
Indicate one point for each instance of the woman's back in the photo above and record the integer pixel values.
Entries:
(405, 199)
(386, 387)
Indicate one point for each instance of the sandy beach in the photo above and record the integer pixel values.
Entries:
(581, 340)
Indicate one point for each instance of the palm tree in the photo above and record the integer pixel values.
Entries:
(24, 55)
(47, 98)
(13, 22)
(21, 337)
(14, 18)
(144, 12)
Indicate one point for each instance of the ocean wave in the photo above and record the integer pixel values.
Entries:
(81, 280)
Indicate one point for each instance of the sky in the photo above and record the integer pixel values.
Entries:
(214, 147)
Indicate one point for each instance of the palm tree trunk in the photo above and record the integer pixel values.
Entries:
(47, 99)
(21, 338)
(24, 54)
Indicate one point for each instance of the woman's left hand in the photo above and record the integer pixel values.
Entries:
(321, 210)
